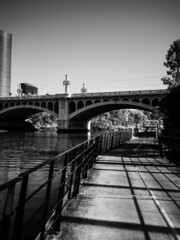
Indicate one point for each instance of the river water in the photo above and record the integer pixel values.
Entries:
(20, 151)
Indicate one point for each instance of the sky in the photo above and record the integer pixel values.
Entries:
(109, 45)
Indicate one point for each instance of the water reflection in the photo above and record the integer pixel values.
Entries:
(21, 151)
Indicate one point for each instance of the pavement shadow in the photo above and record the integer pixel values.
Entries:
(137, 147)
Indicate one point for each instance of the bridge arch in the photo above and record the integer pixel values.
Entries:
(88, 112)
(37, 104)
(80, 104)
(88, 102)
(56, 107)
(135, 100)
(15, 116)
(50, 106)
(72, 107)
(43, 104)
(146, 101)
(115, 99)
(6, 105)
(11, 104)
(25, 108)
(97, 101)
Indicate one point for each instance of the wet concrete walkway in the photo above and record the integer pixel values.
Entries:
(131, 193)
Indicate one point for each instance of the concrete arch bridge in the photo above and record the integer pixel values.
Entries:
(74, 112)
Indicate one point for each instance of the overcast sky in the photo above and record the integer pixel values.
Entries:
(110, 45)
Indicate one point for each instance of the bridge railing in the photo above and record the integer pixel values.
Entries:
(122, 93)
(170, 148)
(114, 139)
(32, 203)
(90, 94)
(28, 97)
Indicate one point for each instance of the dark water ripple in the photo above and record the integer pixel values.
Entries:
(21, 151)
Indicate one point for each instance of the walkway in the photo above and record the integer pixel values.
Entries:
(131, 193)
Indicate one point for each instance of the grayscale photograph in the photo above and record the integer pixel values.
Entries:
(90, 120)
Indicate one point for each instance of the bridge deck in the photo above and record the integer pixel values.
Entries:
(131, 193)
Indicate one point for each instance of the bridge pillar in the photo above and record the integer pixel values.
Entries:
(66, 125)
(72, 126)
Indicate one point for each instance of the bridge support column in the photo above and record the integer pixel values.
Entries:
(73, 126)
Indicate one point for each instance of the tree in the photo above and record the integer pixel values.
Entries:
(173, 64)
(169, 107)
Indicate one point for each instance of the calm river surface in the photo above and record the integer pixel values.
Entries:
(21, 151)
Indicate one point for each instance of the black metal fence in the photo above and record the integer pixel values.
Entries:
(170, 148)
(32, 203)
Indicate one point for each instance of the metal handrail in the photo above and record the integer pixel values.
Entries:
(32, 214)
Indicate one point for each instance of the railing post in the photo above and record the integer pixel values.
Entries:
(119, 138)
(160, 148)
(7, 213)
(106, 142)
(124, 136)
(116, 139)
(112, 141)
(103, 144)
(72, 174)
(48, 190)
(85, 161)
(100, 144)
(77, 176)
(20, 210)
(93, 155)
(56, 226)
(77, 179)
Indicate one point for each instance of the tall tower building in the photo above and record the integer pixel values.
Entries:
(5, 63)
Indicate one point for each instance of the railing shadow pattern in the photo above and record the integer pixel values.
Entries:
(158, 186)
(32, 203)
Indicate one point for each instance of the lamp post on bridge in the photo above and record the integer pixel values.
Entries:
(83, 89)
(66, 83)
(19, 91)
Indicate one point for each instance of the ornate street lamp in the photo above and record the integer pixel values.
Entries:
(83, 89)
(19, 91)
(66, 83)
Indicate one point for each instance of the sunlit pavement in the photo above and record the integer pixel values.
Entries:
(131, 193)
